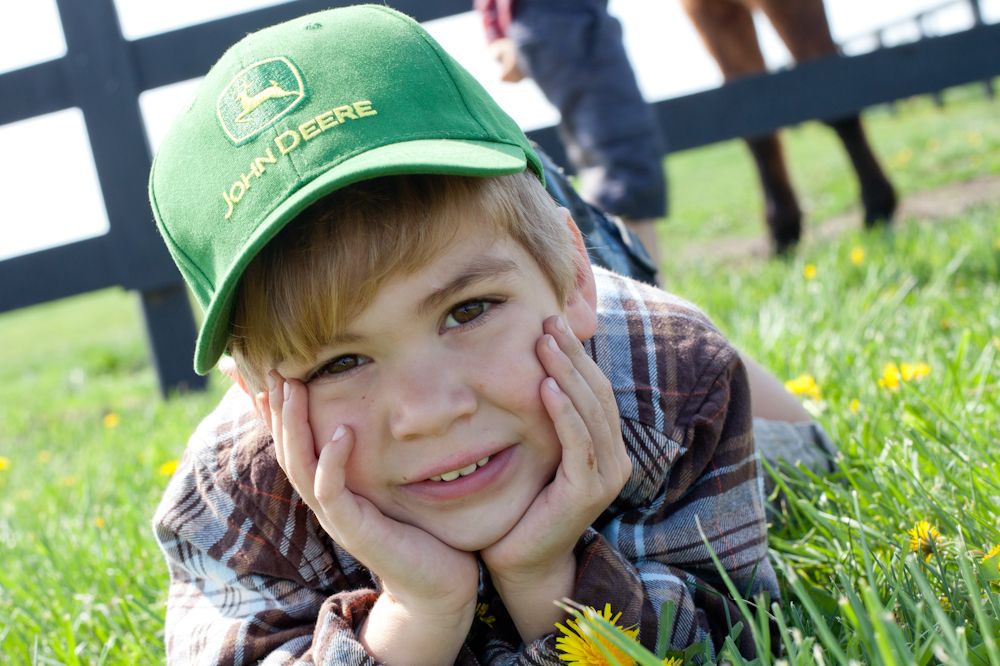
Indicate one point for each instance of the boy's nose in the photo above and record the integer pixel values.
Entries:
(429, 402)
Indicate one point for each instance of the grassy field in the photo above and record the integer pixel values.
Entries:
(86, 445)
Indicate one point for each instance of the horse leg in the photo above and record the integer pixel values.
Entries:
(803, 26)
(781, 208)
(726, 27)
(877, 194)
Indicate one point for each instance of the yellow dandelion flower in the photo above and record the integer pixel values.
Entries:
(911, 371)
(809, 271)
(857, 255)
(483, 614)
(4, 463)
(44, 457)
(890, 377)
(577, 647)
(993, 555)
(902, 158)
(893, 374)
(111, 420)
(924, 538)
(168, 468)
(854, 405)
(99, 523)
(673, 661)
(804, 385)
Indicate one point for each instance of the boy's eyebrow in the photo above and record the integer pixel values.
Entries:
(479, 269)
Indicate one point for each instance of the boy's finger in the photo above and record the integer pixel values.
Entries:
(262, 402)
(579, 460)
(351, 520)
(596, 400)
(275, 386)
(297, 440)
(591, 410)
(330, 485)
(584, 364)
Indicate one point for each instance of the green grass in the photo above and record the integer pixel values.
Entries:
(84, 433)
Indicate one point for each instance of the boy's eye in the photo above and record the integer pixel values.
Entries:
(466, 312)
(339, 366)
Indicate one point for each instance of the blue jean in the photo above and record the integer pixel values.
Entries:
(573, 50)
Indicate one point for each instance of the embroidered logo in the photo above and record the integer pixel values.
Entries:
(257, 96)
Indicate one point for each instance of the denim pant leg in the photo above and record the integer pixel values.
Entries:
(806, 444)
(573, 50)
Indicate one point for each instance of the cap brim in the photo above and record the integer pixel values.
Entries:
(427, 156)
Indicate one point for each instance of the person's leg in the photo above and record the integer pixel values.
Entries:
(770, 399)
(784, 432)
(574, 52)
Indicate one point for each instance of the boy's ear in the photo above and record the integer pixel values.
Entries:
(581, 302)
(227, 366)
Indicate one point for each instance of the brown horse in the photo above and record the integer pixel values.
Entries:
(726, 27)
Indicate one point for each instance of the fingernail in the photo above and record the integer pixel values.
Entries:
(551, 385)
(560, 325)
(339, 434)
(288, 390)
(551, 342)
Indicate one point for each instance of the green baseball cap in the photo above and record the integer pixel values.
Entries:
(298, 110)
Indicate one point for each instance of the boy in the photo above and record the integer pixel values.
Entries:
(421, 455)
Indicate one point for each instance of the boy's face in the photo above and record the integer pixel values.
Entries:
(439, 376)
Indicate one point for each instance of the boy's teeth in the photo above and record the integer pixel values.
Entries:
(465, 471)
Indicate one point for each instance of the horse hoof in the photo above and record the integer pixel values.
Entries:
(880, 206)
(786, 230)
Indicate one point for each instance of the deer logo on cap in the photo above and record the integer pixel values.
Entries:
(258, 96)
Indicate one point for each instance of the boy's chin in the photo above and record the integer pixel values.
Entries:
(472, 543)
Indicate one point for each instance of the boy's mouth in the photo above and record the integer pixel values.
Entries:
(464, 471)
(460, 482)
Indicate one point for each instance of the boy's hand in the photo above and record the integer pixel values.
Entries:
(534, 563)
(429, 588)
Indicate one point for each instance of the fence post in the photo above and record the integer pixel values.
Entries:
(101, 76)
(977, 20)
(170, 327)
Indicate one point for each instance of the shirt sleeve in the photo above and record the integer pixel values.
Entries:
(647, 554)
(215, 617)
(642, 556)
(250, 579)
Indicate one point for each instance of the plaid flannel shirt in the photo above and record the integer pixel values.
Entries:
(254, 578)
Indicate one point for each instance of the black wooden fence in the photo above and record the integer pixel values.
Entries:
(103, 74)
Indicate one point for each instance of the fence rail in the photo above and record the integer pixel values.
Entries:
(103, 74)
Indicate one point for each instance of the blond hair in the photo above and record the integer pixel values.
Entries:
(326, 266)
